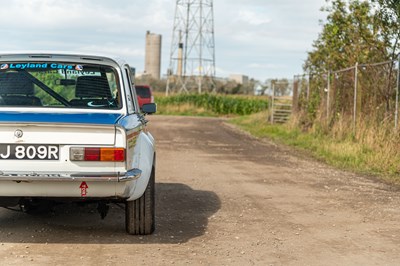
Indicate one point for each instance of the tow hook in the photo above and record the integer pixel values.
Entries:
(103, 208)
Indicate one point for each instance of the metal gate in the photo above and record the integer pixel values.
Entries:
(281, 107)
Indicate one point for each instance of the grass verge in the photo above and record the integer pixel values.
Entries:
(345, 153)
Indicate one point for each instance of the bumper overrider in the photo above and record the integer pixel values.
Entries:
(27, 176)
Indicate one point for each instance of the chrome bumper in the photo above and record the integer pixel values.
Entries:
(49, 176)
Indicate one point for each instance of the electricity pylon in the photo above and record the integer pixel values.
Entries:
(192, 57)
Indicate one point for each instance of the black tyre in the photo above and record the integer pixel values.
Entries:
(139, 214)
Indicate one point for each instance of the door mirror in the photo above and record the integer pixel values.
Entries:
(149, 108)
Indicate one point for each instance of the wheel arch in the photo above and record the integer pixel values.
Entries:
(147, 164)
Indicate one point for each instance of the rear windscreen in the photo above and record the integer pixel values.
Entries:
(143, 92)
(58, 84)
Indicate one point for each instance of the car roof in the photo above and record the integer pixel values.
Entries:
(60, 56)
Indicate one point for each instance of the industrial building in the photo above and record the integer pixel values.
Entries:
(152, 66)
(240, 79)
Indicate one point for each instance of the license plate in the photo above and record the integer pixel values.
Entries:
(29, 152)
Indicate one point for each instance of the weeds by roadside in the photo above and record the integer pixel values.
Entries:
(374, 152)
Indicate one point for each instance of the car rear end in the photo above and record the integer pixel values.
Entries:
(46, 159)
(70, 130)
(59, 133)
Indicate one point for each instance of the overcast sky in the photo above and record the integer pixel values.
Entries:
(259, 38)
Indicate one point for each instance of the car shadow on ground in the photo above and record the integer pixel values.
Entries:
(182, 213)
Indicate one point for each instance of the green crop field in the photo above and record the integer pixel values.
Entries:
(210, 104)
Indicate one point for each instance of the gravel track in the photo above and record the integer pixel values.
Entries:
(223, 198)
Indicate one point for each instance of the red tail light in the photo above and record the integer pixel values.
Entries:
(97, 154)
(92, 154)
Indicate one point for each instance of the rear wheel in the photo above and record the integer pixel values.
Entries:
(139, 214)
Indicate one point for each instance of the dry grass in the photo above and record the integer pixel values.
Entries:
(370, 150)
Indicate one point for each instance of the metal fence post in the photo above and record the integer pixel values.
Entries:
(295, 96)
(308, 87)
(355, 96)
(328, 94)
(272, 104)
(396, 114)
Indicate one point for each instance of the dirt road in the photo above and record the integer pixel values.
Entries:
(224, 198)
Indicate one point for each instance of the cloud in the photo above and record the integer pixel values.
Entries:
(252, 18)
(265, 66)
(78, 15)
(251, 36)
(112, 49)
(91, 25)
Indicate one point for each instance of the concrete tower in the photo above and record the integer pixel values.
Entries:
(192, 57)
(153, 55)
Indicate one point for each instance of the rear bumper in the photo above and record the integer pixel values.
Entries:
(52, 176)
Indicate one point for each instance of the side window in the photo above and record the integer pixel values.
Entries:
(131, 99)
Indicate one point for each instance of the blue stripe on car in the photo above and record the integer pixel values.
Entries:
(79, 118)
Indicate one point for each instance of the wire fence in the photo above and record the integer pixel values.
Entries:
(363, 93)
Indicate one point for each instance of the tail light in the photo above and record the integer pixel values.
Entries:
(97, 154)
